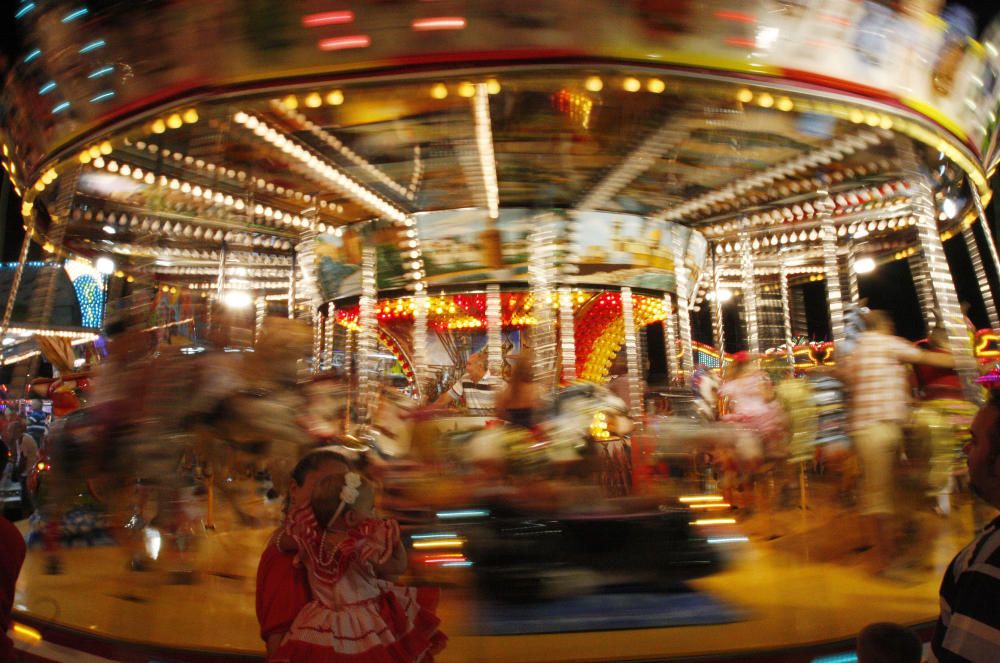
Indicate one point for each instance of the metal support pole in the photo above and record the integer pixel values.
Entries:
(367, 333)
(670, 340)
(567, 334)
(718, 319)
(18, 274)
(991, 248)
(786, 311)
(261, 312)
(494, 331)
(969, 235)
(749, 290)
(683, 283)
(632, 356)
(541, 269)
(330, 324)
(948, 309)
(830, 271)
(925, 294)
(291, 288)
(853, 289)
(420, 360)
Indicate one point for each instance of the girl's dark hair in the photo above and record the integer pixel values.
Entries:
(312, 461)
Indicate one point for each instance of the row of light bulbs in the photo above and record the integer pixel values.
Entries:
(318, 168)
(334, 143)
(848, 202)
(814, 234)
(239, 176)
(167, 252)
(801, 164)
(236, 272)
(178, 229)
(484, 147)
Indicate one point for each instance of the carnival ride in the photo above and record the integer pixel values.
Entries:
(418, 187)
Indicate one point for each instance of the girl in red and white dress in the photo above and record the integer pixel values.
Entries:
(356, 614)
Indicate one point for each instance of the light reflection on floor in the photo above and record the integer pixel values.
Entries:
(799, 581)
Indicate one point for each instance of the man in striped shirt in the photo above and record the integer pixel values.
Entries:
(474, 391)
(969, 626)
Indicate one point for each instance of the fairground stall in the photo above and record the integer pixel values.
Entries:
(423, 182)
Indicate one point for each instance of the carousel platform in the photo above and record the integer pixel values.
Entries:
(797, 590)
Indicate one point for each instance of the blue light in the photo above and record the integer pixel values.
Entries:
(466, 563)
(467, 513)
(107, 94)
(73, 15)
(32, 55)
(103, 71)
(58, 108)
(25, 10)
(90, 295)
(850, 657)
(443, 535)
(93, 46)
(48, 87)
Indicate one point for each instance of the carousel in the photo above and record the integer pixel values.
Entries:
(379, 196)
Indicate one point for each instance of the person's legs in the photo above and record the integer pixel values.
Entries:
(877, 446)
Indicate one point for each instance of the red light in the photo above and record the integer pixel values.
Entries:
(327, 18)
(739, 17)
(341, 43)
(739, 41)
(439, 23)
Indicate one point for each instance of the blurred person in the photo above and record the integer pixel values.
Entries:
(875, 374)
(944, 414)
(6, 449)
(26, 455)
(519, 400)
(349, 556)
(12, 551)
(473, 391)
(885, 642)
(968, 628)
(282, 587)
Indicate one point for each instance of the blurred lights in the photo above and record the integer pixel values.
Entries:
(313, 100)
(101, 96)
(25, 10)
(656, 86)
(949, 208)
(158, 126)
(466, 89)
(73, 15)
(327, 18)
(48, 87)
(745, 96)
(439, 23)
(439, 91)
(343, 43)
(864, 266)
(237, 299)
(175, 121)
(631, 84)
(493, 86)
(103, 71)
(694, 499)
(765, 100)
(464, 513)
(335, 98)
(105, 265)
(593, 84)
(701, 522)
(92, 46)
(728, 539)
(26, 632)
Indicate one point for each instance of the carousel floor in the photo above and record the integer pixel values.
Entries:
(799, 585)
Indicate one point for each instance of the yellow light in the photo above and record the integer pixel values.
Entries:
(165, 288)
(335, 98)
(656, 86)
(442, 543)
(765, 100)
(290, 102)
(175, 121)
(105, 148)
(190, 116)
(94, 152)
(745, 96)
(714, 521)
(466, 89)
(39, 185)
(711, 505)
(119, 274)
(785, 104)
(631, 84)
(856, 116)
(129, 279)
(593, 84)
(158, 127)
(886, 122)
(439, 91)
(26, 632)
(493, 86)
(313, 100)
(871, 119)
(689, 499)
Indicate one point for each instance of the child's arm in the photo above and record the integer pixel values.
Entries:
(395, 565)
(286, 543)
